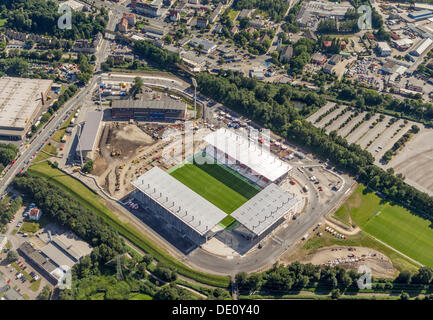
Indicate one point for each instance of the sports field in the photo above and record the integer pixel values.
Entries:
(392, 224)
(218, 185)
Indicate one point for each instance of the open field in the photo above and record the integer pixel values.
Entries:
(216, 185)
(391, 224)
(94, 202)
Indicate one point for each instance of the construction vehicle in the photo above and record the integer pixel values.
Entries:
(116, 153)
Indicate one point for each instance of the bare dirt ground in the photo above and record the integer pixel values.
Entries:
(322, 110)
(416, 161)
(361, 130)
(379, 264)
(126, 141)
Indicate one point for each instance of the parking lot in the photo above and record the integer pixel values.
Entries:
(19, 274)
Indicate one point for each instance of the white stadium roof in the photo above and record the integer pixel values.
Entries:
(249, 153)
(179, 200)
(260, 212)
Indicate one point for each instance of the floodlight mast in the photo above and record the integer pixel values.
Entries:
(194, 83)
(79, 144)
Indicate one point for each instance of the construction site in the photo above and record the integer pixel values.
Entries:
(127, 150)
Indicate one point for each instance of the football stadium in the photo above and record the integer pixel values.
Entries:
(237, 188)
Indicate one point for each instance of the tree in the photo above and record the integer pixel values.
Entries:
(404, 277)
(335, 294)
(88, 167)
(424, 276)
(167, 293)
(404, 296)
(45, 293)
(136, 86)
(12, 256)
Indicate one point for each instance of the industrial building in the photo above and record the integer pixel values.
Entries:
(421, 15)
(89, 136)
(421, 47)
(177, 205)
(206, 46)
(402, 44)
(151, 9)
(248, 158)
(317, 9)
(266, 210)
(164, 109)
(20, 101)
(383, 49)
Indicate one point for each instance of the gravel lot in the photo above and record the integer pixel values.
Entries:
(371, 134)
(336, 124)
(363, 128)
(345, 131)
(321, 111)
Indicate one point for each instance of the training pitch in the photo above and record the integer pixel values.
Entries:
(392, 224)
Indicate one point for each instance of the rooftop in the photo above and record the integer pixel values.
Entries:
(90, 131)
(19, 99)
(249, 153)
(260, 212)
(179, 200)
(150, 104)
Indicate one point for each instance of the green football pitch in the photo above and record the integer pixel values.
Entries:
(392, 224)
(218, 185)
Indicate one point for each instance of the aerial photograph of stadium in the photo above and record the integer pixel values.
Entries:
(217, 158)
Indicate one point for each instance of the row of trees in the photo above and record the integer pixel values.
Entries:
(362, 98)
(7, 211)
(277, 113)
(297, 276)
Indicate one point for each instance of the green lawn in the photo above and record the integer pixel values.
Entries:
(96, 204)
(392, 224)
(29, 227)
(45, 153)
(217, 185)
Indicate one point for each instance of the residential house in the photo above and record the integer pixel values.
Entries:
(123, 25)
(318, 58)
(286, 53)
(201, 22)
(132, 20)
(35, 214)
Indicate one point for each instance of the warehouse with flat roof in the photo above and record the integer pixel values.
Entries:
(265, 210)
(20, 102)
(89, 136)
(177, 205)
(163, 109)
(421, 47)
(247, 157)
